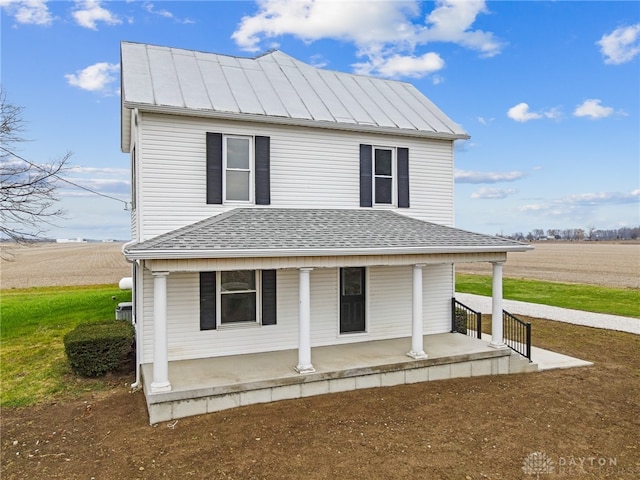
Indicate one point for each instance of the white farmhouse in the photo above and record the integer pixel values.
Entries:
(292, 232)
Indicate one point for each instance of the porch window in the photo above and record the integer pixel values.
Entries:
(237, 297)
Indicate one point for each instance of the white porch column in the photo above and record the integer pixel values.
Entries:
(497, 339)
(160, 381)
(417, 348)
(304, 323)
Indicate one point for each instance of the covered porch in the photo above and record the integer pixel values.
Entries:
(212, 384)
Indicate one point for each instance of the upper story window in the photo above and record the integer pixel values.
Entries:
(238, 169)
(383, 176)
(238, 162)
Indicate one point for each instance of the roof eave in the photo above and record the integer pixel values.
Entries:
(171, 254)
(299, 122)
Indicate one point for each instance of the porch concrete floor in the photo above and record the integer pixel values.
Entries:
(222, 375)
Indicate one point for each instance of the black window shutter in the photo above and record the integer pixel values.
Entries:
(214, 168)
(268, 297)
(366, 186)
(403, 177)
(263, 172)
(207, 300)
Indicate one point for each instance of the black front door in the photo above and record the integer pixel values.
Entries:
(352, 299)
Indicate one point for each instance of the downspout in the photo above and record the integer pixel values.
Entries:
(137, 383)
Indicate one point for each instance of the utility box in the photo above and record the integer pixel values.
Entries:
(124, 311)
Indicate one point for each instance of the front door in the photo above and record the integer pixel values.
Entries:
(352, 299)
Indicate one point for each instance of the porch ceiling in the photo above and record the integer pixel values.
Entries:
(285, 232)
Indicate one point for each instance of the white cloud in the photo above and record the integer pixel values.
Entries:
(591, 108)
(451, 21)
(89, 12)
(521, 113)
(579, 204)
(100, 170)
(150, 7)
(493, 193)
(359, 22)
(621, 45)
(468, 176)
(601, 198)
(34, 12)
(401, 65)
(485, 121)
(385, 33)
(94, 78)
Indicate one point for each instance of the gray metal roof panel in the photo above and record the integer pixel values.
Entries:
(286, 91)
(157, 76)
(218, 89)
(273, 230)
(193, 88)
(166, 86)
(242, 91)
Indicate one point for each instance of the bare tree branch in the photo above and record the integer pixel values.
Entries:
(28, 201)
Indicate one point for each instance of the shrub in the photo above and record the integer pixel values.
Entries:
(94, 349)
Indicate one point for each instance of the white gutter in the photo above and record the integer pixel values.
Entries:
(137, 383)
(297, 122)
(169, 254)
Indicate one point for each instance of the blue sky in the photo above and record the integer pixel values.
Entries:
(548, 91)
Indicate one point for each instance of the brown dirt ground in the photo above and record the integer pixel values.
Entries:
(53, 264)
(585, 420)
(592, 263)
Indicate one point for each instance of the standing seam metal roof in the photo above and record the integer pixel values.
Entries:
(272, 85)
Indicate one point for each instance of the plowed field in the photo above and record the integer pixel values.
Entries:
(595, 263)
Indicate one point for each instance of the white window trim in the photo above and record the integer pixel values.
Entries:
(252, 169)
(258, 322)
(394, 178)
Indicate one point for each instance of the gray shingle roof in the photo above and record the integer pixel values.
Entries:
(283, 231)
(273, 86)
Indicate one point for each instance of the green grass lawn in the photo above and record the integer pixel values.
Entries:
(33, 365)
(615, 301)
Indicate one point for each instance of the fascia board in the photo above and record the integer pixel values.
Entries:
(153, 254)
(248, 117)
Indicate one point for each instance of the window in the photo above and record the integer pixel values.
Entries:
(237, 153)
(383, 174)
(238, 169)
(237, 297)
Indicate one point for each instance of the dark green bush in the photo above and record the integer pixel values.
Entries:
(94, 349)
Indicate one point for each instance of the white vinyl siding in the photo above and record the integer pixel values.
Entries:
(310, 168)
(389, 297)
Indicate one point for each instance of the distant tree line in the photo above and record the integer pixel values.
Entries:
(577, 234)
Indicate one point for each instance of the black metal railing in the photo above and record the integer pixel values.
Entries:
(465, 320)
(517, 334)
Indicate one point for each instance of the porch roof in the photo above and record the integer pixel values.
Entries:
(283, 232)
